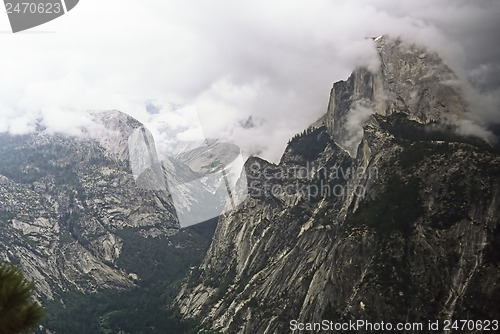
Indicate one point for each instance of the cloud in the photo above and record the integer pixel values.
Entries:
(274, 61)
(69, 122)
(485, 76)
(469, 127)
(357, 115)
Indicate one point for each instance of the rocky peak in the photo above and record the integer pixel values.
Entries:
(112, 131)
(419, 82)
(403, 227)
(410, 79)
(66, 203)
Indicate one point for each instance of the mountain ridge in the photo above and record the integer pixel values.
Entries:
(414, 245)
(410, 80)
(63, 196)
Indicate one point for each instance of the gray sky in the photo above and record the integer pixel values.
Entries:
(274, 61)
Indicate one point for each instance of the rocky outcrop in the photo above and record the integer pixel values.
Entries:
(410, 80)
(397, 222)
(64, 201)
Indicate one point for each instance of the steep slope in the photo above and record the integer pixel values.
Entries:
(384, 213)
(159, 265)
(410, 80)
(92, 221)
(63, 200)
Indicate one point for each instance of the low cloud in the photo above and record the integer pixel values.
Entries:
(469, 127)
(358, 114)
(272, 61)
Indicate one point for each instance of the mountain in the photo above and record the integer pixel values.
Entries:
(88, 230)
(64, 200)
(382, 211)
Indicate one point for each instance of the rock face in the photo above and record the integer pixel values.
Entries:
(382, 213)
(64, 200)
(410, 80)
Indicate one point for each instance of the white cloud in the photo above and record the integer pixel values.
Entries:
(274, 60)
(69, 122)
(357, 115)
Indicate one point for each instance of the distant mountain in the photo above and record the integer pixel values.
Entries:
(381, 211)
(63, 200)
(78, 221)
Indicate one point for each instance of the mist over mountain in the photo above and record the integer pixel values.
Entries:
(273, 61)
(386, 209)
(86, 231)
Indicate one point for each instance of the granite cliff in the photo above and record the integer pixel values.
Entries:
(382, 211)
(96, 216)
(62, 200)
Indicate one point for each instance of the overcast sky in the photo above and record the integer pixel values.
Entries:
(255, 71)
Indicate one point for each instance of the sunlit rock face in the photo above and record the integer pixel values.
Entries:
(379, 212)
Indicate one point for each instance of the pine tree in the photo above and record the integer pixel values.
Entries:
(18, 311)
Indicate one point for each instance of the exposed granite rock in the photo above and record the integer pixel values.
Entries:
(63, 200)
(403, 228)
(410, 80)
